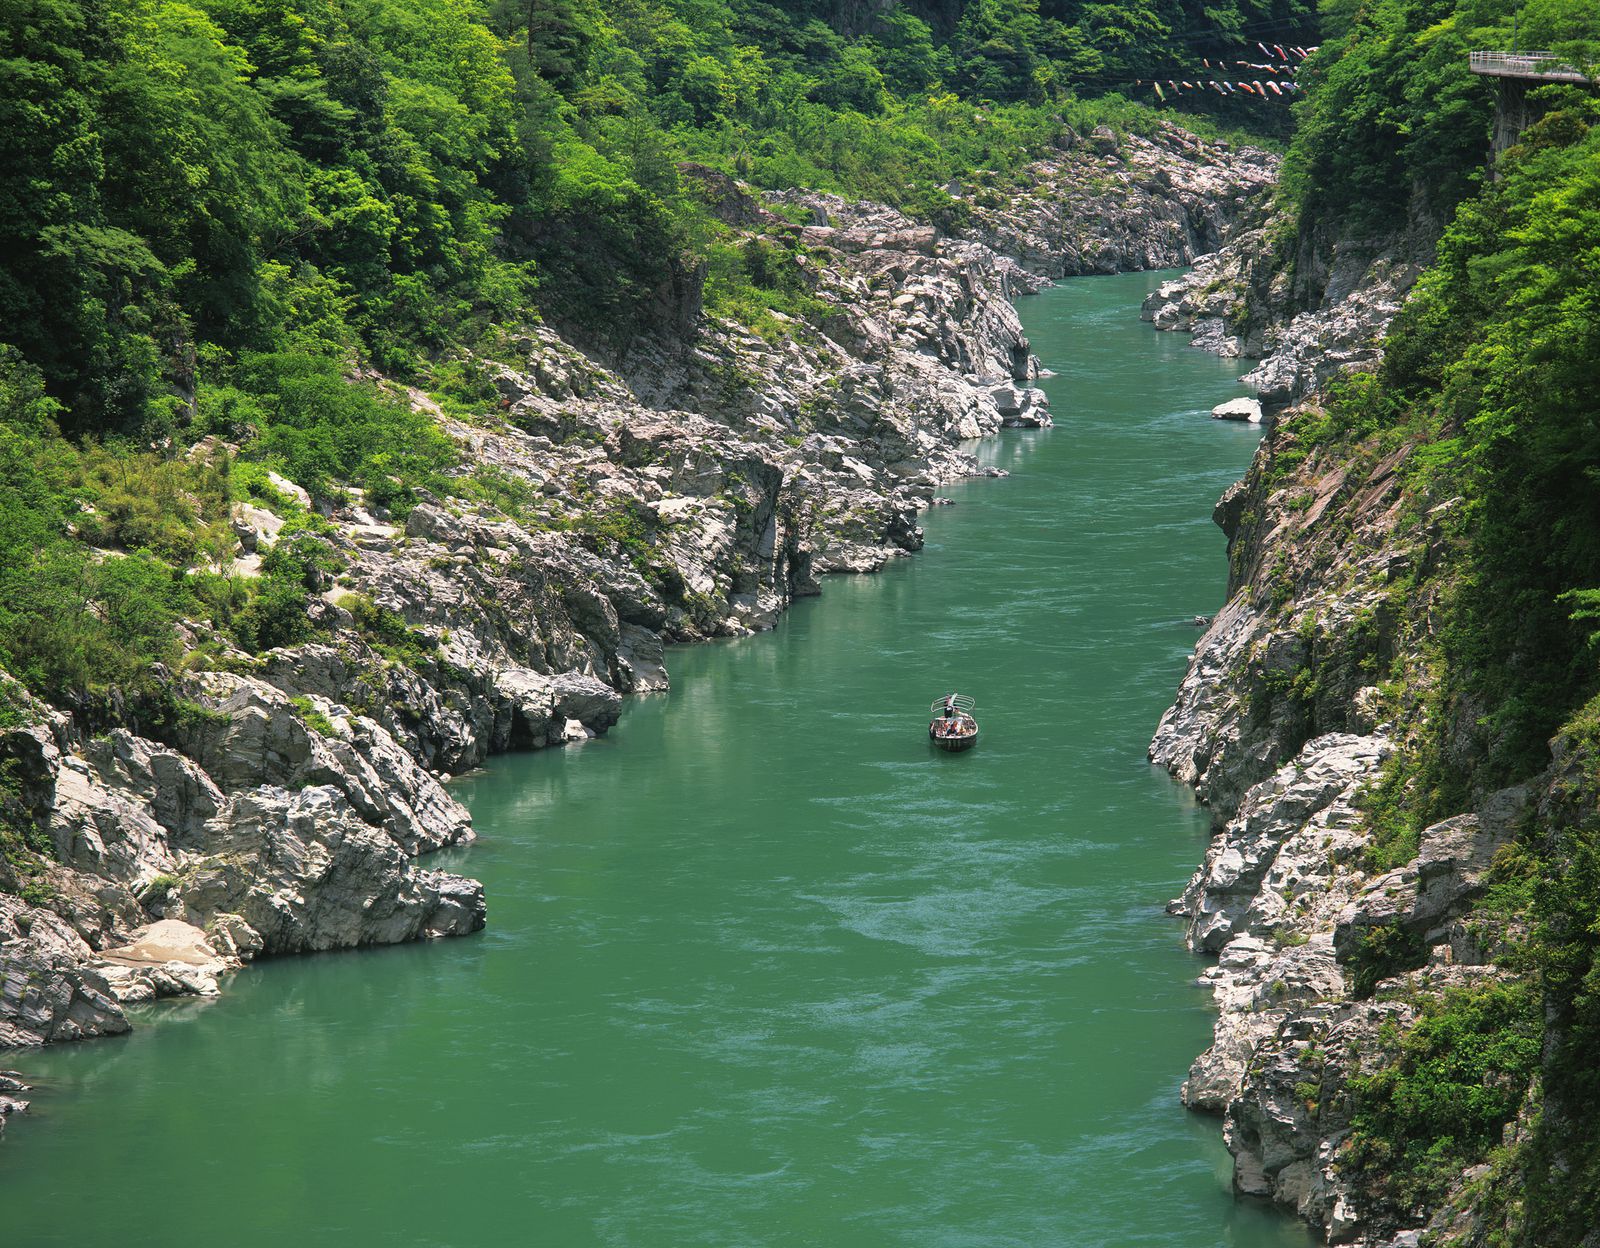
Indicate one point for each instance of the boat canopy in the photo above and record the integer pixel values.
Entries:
(962, 702)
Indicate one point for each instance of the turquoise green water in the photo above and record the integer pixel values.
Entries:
(762, 967)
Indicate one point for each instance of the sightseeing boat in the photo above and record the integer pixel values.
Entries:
(952, 726)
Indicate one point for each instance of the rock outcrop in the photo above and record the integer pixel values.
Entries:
(1105, 204)
(49, 988)
(1307, 311)
(1326, 949)
(251, 827)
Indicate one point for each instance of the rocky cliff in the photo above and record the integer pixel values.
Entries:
(1305, 305)
(1333, 938)
(1105, 204)
(692, 488)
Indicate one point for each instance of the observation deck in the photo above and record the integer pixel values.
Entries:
(1527, 66)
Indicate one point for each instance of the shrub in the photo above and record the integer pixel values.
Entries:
(1457, 1077)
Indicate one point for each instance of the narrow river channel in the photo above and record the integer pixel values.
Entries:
(762, 968)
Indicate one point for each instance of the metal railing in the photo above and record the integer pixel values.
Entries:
(1544, 66)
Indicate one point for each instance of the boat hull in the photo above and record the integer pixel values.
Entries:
(953, 744)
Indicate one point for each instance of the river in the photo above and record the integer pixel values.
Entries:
(763, 968)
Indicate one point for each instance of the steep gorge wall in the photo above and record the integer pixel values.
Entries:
(1306, 306)
(1336, 942)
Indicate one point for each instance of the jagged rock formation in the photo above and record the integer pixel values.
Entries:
(1323, 955)
(1178, 198)
(1307, 311)
(250, 825)
(692, 489)
(11, 1102)
(1316, 562)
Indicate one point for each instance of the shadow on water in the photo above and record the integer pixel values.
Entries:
(763, 967)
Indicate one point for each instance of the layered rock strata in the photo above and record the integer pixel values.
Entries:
(1177, 198)
(692, 489)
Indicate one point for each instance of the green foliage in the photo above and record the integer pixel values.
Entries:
(1488, 375)
(387, 630)
(275, 615)
(1511, 380)
(1457, 1078)
(176, 509)
(73, 623)
(151, 175)
(752, 281)
(276, 611)
(1392, 112)
(81, 626)
(387, 180)
(1378, 953)
(314, 719)
(320, 430)
(625, 528)
(1394, 815)
(1553, 880)
(510, 495)
(25, 846)
(220, 216)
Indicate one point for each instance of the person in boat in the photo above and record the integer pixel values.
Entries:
(949, 707)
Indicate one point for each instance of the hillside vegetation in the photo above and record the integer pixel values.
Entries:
(227, 218)
(239, 239)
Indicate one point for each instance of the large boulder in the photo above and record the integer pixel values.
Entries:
(169, 958)
(541, 705)
(256, 735)
(1238, 409)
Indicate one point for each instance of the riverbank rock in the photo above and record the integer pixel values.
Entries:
(169, 958)
(1238, 409)
(1125, 202)
(1327, 950)
(1306, 323)
(49, 990)
(11, 1085)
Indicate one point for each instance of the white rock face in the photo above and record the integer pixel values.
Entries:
(49, 990)
(1111, 205)
(259, 737)
(546, 706)
(1328, 320)
(209, 844)
(1238, 409)
(10, 1103)
(1279, 850)
(1280, 727)
(1281, 899)
(169, 958)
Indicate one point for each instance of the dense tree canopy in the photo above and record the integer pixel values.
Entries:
(218, 216)
(183, 175)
